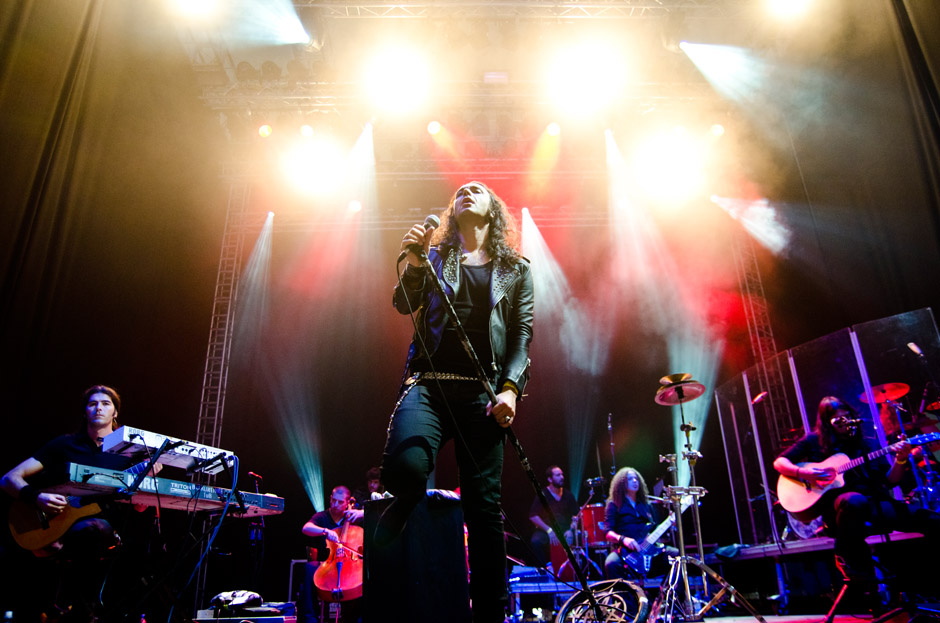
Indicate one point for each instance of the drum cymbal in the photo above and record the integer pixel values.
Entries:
(887, 391)
(678, 388)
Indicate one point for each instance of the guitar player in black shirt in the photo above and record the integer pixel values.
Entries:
(45, 522)
(863, 506)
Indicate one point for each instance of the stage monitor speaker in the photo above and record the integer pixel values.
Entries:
(421, 576)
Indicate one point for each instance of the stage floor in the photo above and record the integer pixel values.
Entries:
(807, 618)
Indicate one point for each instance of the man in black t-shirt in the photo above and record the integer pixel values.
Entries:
(324, 526)
(90, 537)
(564, 508)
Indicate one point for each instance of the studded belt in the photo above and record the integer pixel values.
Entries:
(443, 376)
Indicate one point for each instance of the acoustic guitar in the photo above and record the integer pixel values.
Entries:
(799, 497)
(35, 530)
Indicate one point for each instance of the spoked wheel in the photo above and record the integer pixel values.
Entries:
(619, 601)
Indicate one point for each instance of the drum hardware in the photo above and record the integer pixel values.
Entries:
(924, 494)
(677, 389)
(592, 526)
(583, 541)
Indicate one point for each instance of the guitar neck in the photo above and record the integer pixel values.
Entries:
(919, 440)
(653, 536)
(857, 462)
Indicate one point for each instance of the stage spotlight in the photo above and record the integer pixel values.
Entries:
(585, 78)
(397, 80)
(670, 167)
(194, 9)
(306, 130)
(315, 167)
(270, 71)
(355, 206)
(434, 128)
(787, 9)
(246, 72)
(717, 129)
(265, 130)
(553, 129)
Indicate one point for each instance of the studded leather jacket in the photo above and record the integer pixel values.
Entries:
(511, 312)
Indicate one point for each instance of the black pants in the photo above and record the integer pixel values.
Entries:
(82, 563)
(856, 516)
(420, 425)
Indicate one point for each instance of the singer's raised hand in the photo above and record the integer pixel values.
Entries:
(417, 236)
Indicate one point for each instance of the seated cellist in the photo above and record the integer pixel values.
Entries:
(322, 527)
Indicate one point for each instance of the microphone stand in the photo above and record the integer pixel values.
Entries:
(129, 491)
(613, 458)
(510, 434)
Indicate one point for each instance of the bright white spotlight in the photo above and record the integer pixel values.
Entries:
(553, 129)
(355, 206)
(670, 167)
(434, 128)
(717, 129)
(306, 130)
(585, 78)
(397, 80)
(760, 219)
(194, 9)
(272, 22)
(265, 130)
(787, 9)
(316, 167)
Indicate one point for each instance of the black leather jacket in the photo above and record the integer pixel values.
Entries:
(511, 312)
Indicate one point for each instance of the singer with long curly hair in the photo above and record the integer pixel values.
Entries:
(490, 287)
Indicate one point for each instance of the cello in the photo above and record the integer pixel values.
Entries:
(339, 577)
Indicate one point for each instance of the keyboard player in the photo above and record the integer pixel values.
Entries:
(89, 540)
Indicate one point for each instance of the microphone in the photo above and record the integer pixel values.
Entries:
(254, 475)
(431, 222)
(915, 349)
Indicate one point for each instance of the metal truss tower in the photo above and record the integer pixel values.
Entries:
(222, 326)
(761, 334)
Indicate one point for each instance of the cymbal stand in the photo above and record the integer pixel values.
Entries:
(668, 603)
(691, 456)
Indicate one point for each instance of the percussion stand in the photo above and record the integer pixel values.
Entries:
(677, 389)
(579, 549)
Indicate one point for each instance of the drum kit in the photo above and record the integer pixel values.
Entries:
(926, 493)
(591, 534)
(675, 390)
